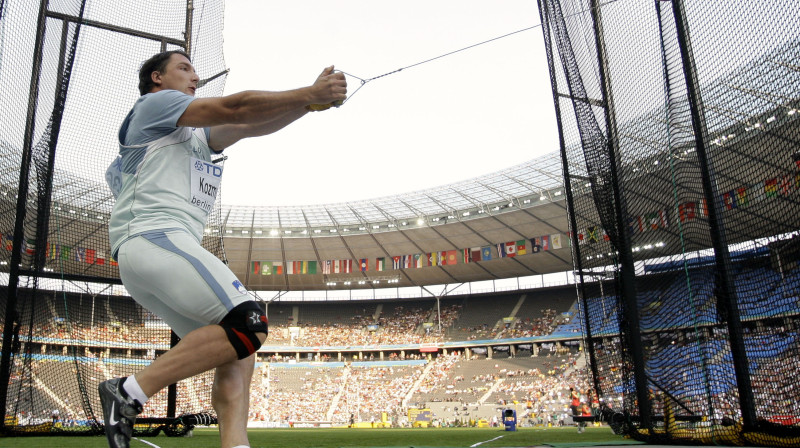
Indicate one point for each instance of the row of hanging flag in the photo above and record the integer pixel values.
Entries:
(687, 211)
(774, 187)
(412, 261)
(742, 197)
(60, 252)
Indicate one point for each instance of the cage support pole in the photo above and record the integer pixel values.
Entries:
(576, 255)
(627, 273)
(11, 319)
(726, 292)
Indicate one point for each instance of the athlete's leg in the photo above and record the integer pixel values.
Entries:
(190, 289)
(201, 350)
(230, 397)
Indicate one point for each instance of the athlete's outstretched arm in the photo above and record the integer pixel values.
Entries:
(251, 113)
(226, 135)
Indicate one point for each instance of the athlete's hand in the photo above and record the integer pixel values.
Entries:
(329, 87)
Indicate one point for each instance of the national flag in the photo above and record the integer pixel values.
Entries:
(90, 256)
(771, 187)
(729, 199)
(756, 192)
(277, 268)
(703, 208)
(290, 265)
(8, 242)
(452, 257)
(419, 260)
(555, 241)
(396, 260)
(113, 262)
(536, 244)
(326, 267)
(80, 254)
(581, 236)
(50, 251)
(30, 246)
(311, 268)
(605, 234)
(101, 258)
(545, 242)
(465, 255)
(66, 251)
(521, 247)
(686, 211)
(635, 224)
(592, 234)
(266, 268)
(432, 259)
(379, 263)
(486, 253)
(501, 250)
(511, 249)
(657, 219)
(408, 262)
(364, 265)
(787, 184)
(741, 197)
(475, 254)
(255, 267)
(347, 266)
(337, 266)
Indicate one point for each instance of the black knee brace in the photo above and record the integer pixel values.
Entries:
(241, 325)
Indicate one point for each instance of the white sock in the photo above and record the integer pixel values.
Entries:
(241, 446)
(134, 391)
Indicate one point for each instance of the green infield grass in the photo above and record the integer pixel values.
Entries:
(351, 438)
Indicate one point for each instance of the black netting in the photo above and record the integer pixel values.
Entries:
(69, 76)
(679, 125)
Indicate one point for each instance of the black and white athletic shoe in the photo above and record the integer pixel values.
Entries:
(119, 413)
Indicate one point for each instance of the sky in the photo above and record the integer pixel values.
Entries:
(464, 115)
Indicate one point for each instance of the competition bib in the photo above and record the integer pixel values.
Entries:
(206, 178)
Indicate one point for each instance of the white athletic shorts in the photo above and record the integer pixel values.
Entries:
(174, 277)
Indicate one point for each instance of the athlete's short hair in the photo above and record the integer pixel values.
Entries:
(157, 63)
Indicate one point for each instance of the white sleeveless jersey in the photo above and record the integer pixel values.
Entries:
(169, 183)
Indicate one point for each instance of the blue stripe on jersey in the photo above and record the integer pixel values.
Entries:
(131, 158)
(161, 240)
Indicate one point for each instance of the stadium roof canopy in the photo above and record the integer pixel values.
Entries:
(519, 203)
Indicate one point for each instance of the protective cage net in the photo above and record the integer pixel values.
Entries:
(68, 77)
(680, 131)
